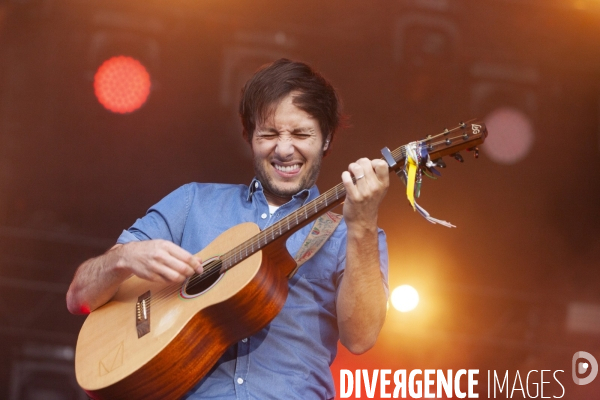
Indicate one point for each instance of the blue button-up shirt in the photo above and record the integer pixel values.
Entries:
(290, 358)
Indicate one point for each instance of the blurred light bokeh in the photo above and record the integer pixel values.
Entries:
(513, 287)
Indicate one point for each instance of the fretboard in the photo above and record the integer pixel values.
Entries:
(292, 222)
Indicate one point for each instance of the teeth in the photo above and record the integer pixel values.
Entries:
(288, 168)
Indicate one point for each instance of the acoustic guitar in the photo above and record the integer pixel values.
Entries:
(157, 340)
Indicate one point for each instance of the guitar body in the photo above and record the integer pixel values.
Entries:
(186, 336)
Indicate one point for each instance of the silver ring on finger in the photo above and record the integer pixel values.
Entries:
(359, 177)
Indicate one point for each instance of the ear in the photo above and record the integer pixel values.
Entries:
(326, 144)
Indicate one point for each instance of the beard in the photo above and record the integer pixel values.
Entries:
(285, 191)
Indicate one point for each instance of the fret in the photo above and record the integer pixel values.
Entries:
(305, 213)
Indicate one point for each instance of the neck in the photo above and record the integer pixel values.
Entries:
(275, 200)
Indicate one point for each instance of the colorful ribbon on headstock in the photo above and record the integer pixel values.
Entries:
(411, 176)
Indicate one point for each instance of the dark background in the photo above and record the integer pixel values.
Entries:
(497, 293)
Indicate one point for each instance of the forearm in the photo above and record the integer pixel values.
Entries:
(361, 302)
(95, 282)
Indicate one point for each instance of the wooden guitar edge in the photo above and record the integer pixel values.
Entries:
(184, 361)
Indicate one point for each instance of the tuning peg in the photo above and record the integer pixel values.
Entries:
(457, 157)
(439, 163)
(475, 151)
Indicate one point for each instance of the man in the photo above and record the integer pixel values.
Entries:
(290, 114)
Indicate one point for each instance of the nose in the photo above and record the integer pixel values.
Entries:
(285, 146)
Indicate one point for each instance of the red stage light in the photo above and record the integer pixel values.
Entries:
(122, 84)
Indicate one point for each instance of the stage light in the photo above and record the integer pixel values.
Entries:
(122, 84)
(405, 298)
(512, 136)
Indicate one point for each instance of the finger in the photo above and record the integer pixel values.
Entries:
(369, 172)
(151, 275)
(357, 171)
(169, 274)
(170, 268)
(199, 269)
(191, 263)
(382, 172)
(155, 277)
(181, 267)
(182, 255)
(162, 256)
(351, 190)
(366, 166)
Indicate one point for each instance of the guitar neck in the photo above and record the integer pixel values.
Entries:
(293, 222)
(285, 226)
(466, 135)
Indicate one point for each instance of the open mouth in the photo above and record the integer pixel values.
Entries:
(287, 169)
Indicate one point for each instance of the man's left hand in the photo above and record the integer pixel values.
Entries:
(364, 196)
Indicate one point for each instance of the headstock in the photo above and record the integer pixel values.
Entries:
(420, 157)
(467, 135)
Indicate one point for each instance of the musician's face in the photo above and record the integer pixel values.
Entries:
(288, 148)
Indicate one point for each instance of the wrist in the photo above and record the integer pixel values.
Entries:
(361, 231)
(118, 261)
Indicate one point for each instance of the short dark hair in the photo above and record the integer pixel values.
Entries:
(274, 81)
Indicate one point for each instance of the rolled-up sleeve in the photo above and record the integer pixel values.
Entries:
(164, 220)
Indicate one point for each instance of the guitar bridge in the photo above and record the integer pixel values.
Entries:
(142, 314)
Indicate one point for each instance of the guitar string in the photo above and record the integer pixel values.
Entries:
(216, 266)
(250, 244)
(256, 240)
(253, 245)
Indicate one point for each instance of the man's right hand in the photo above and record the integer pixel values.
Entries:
(157, 261)
(98, 279)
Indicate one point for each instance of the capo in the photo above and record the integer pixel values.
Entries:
(387, 155)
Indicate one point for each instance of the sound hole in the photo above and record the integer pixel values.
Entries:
(198, 284)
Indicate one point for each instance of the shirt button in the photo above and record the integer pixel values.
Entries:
(240, 381)
(256, 185)
(244, 340)
(263, 216)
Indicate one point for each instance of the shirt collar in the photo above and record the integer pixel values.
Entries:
(305, 195)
